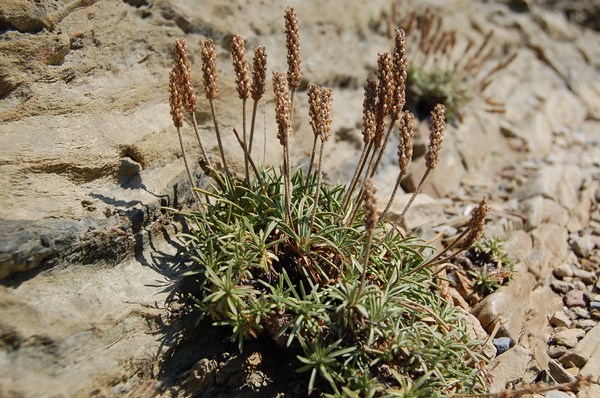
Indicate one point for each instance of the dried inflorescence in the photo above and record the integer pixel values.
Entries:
(437, 127)
(183, 64)
(476, 224)
(370, 205)
(292, 40)
(314, 107)
(385, 94)
(240, 66)
(369, 104)
(405, 137)
(400, 71)
(259, 73)
(282, 107)
(175, 97)
(209, 69)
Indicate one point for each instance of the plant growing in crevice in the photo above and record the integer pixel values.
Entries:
(446, 68)
(314, 267)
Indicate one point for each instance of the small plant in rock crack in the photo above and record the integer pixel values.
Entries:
(494, 266)
(277, 253)
(447, 68)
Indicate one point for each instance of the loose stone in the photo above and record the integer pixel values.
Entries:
(561, 287)
(502, 344)
(560, 319)
(563, 270)
(575, 298)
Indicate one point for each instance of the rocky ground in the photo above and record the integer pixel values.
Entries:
(88, 256)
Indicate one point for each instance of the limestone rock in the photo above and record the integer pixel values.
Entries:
(424, 210)
(557, 182)
(540, 210)
(580, 354)
(509, 366)
(567, 337)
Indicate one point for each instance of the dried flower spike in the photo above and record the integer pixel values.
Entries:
(400, 70)
(209, 69)
(405, 148)
(385, 93)
(292, 41)
(476, 224)
(326, 113)
(370, 205)
(175, 97)
(282, 106)
(259, 73)
(314, 107)
(240, 66)
(437, 126)
(369, 111)
(182, 60)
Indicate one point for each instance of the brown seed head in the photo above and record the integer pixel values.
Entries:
(283, 107)
(259, 73)
(437, 126)
(385, 93)
(369, 105)
(326, 113)
(405, 148)
(209, 69)
(476, 224)
(175, 96)
(292, 42)
(370, 205)
(182, 60)
(314, 107)
(400, 68)
(240, 66)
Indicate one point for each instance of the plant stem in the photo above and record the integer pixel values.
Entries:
(252, 164)
(252, 123)
(187, 169)
(410, 202)
(204, 153)
(317, 194)
(357, 172)
(245, 140)
(389, 204)
(214, 117)
(310, 164)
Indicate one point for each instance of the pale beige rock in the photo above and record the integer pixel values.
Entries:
(539, 210)
(476, 332)
(558, 182)
(424, 210)
(581, 353)
(567, 337)
(560, 319)
(550, 242)
(509, 366)
(590, 391)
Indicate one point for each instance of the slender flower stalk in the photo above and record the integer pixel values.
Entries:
(282, 116)
(176, 100)
(259, 76)
(405, 151)
(368, 134)
(292, 42)
(242, 80)
(209, 70)
(182, 61)
(325, 118)
(314, 108)
(437, 127)
(370, 224)
(463, 241)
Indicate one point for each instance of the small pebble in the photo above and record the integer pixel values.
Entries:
(560, 319)
(575, 298)
(556, 351)
(595, 314)
(595, 305)
(582, 245)
(585, 324)
(563, 271)
(587, 277)
(560, 286)
(580, 313)
(502, 344)
(567, 337)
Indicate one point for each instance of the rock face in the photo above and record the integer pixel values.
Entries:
(89, 156)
